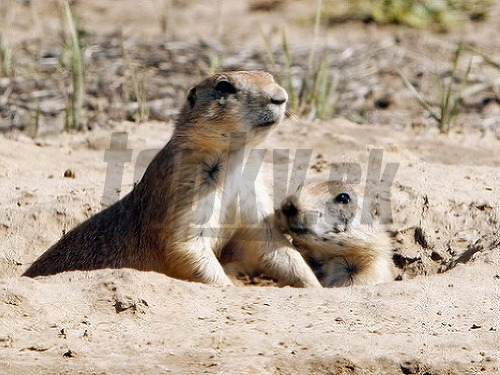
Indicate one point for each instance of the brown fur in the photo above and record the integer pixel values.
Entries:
(157, 228)
(328, 231)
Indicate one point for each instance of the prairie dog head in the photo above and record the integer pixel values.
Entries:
(243, 105)
(329, 218)
(336, 235)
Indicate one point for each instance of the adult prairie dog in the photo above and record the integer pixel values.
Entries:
(339, 240)
(181, 215)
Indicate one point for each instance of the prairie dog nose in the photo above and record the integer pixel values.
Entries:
(289, 209)
(278, 94)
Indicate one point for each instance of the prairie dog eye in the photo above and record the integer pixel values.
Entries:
(343, 198)
(224, 87)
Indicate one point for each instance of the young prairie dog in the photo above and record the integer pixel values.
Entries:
(326, 226)
(179, 217)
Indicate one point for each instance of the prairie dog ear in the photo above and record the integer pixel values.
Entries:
(191, 98)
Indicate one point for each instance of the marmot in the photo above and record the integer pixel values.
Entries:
(325, 223)
(179, 217)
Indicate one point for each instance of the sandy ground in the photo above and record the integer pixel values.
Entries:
(123, 321)
(440, 317)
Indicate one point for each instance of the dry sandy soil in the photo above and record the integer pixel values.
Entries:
(440, 317)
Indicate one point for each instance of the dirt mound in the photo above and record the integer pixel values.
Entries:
(124, 321)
